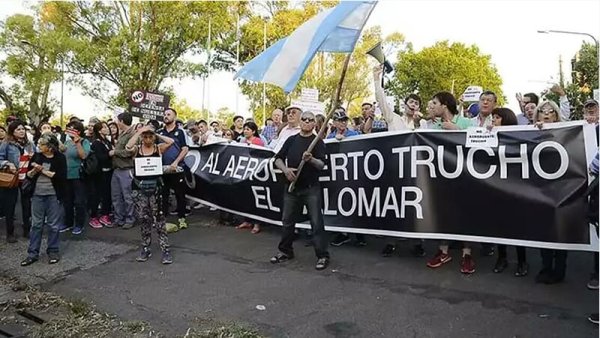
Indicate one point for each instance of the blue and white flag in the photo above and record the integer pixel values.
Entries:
(334, 30)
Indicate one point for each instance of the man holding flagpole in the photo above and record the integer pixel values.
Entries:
(307, 193)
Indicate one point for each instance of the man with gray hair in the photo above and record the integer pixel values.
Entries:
(270, 132)
(307, 190)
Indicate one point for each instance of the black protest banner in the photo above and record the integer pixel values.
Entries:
(527, 191)
(148, 105)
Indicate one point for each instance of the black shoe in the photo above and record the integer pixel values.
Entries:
(501, 265)
(388, 250)
(487, 249)
(280, 258)
(340, 240)
(555, 278)
(144, 255)
(11, 239)
(543, 276)
(593, 318)
(522, 270)
(53, 258)
(418, 251)
(28, 261)
(166, 257)
(322, 263)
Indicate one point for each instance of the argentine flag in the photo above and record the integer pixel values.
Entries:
(334, 30)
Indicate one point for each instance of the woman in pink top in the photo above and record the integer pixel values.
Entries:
(251, 134)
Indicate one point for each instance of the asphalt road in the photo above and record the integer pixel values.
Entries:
(223, 274)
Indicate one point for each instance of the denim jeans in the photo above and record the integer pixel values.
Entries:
(75, 203)
(293, 204)
(120, 188)
(44, 208)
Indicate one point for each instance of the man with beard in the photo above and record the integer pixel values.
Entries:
(173, 157)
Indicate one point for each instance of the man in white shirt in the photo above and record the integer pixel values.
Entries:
(487, 103)
(292, 128)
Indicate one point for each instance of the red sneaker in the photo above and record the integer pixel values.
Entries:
(439, 259)
(467, 265)
(94, 223)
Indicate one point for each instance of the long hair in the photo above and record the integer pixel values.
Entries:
(10, 133)
(97, 128)
(508, 116)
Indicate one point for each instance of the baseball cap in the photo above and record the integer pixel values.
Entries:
(473, 109)
(590, 102)
(339, 115)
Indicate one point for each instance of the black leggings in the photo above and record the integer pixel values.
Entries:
(102, 194)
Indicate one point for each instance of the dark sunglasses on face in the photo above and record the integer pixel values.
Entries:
(307, 119)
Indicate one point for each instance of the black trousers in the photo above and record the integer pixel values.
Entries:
(101, 193)
(521, 255)
(177, 183)
(25, 212)
(558, 257)
(293, 204)
(8, 202)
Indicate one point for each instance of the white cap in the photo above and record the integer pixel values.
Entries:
(292, 107)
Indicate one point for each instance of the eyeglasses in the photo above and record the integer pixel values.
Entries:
(307, 119)
(548, 112)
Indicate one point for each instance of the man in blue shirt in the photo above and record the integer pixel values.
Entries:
(173, 157)
(340, 124)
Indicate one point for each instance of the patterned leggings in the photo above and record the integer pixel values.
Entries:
(147, 215)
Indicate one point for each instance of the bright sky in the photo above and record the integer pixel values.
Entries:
(507, 30)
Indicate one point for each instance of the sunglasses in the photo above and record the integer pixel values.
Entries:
(307, 119)
(548, 112)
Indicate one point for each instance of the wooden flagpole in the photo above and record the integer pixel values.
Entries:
(335, 103)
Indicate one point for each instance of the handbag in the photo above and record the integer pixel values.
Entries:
(28, 187)
(9, 180)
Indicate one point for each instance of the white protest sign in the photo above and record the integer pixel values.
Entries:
(478, 137)
(309, 94)
(472, 94)
(148, 166)
(313, 106)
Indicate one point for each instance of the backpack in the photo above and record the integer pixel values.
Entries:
(90, 165)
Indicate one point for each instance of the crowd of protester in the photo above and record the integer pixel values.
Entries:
(85, 174)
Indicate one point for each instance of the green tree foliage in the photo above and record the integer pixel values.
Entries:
(435, 68)
(585, 79)
(32, 48)
(138, 44)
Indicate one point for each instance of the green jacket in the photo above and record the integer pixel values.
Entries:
(123, 158)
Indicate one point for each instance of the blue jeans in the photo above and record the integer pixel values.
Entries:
(48, 208)
(293, 203)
